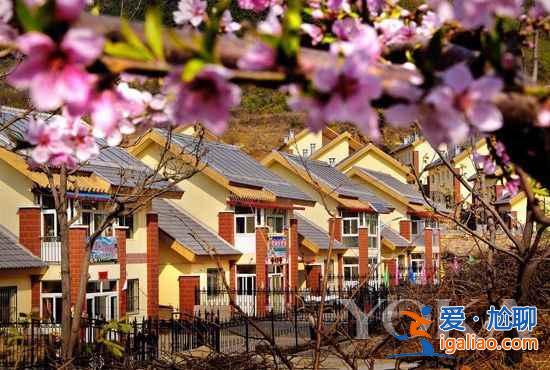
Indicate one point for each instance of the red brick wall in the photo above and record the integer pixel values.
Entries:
(152, 265)
(391, 265)
(226, 226)
(338, 228)
(120, 234)
(415, 162)
(363, 253)
(188, 286)
(261, 269)
(77, 245)
(428, 258)
(293, 254)
(35, 296)
(456, 187)
(29, 229)
(405, 229)
(314, 277)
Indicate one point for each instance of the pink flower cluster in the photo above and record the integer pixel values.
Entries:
(476, 13)
(190, 11)
(454, 107)
(341, 94)
(208, 98)
(60, 140)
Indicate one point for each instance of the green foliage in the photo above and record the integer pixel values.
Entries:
(258, 100)
(153, 31)
(192, 69)
(34, 20)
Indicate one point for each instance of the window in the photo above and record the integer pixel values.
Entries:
(372, 222)
(8, 304)
(127, 221)
(132, 295)
(312, 148)
(350, 232)
(213, 281)
(351, 269)
(332, 161)
(305, 153)
(275, 223)
(244, 220)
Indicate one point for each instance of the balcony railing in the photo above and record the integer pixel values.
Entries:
(50, 250)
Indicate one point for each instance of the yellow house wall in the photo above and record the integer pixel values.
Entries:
(521, 208)
(316, 214)
(393, 218)
(15, 191)
(139, 271)
(172, 265)
(202, 197)
(305, 143)
(339, 152)
(374, 162)
(22, 281)
(138, 243)
(467, 168)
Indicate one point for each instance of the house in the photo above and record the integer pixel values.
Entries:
(445, 189)
(416, 152)
(123, 274)
(248, 206)
(412, 215)
(325, 145)
(347, 210)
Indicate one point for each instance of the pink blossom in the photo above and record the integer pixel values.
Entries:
(69, 10)
(255, 5)
(342, 94)
(462, 95)
(81, 140)
(500, 151)
(208, 98)
(33, 4)
(543, 118)
(271, 25)
(227, 24)
(339, 5)
(314, 31)
(190, 11)
(112, 112)
(46, 138)
(6, 11)
(394, 31)
(476, 13)
(485, 162)
(345, 28)
(361, 42)
(56, 74)
(259, 56)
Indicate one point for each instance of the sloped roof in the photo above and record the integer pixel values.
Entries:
(338, 182)
(308, 230)
(409, 191)
(394, 237)
(113, 164)
(238, 167)
(14, 255)
(182, 227)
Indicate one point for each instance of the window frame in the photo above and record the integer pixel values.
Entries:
(132, 298)
(10, 293)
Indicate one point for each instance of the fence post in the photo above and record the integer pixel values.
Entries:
(246, 334)
(273, 325)
(218, 334)
(32, 342)
(296, 321)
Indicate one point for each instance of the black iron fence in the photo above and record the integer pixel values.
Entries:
(284, 318)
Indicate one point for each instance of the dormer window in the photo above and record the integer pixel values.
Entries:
(312, 148)
(305, 153)
(332, 161)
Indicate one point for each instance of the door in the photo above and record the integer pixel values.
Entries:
(246, 292)
(276, 293)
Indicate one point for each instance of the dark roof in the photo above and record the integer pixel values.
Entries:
(185, 229)
(338, 182)
(113, 164)
(13, 255)
(237, 166)
(409, 191)
(394, 237)
(433, 164)
(401, 146)
(315, 234)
